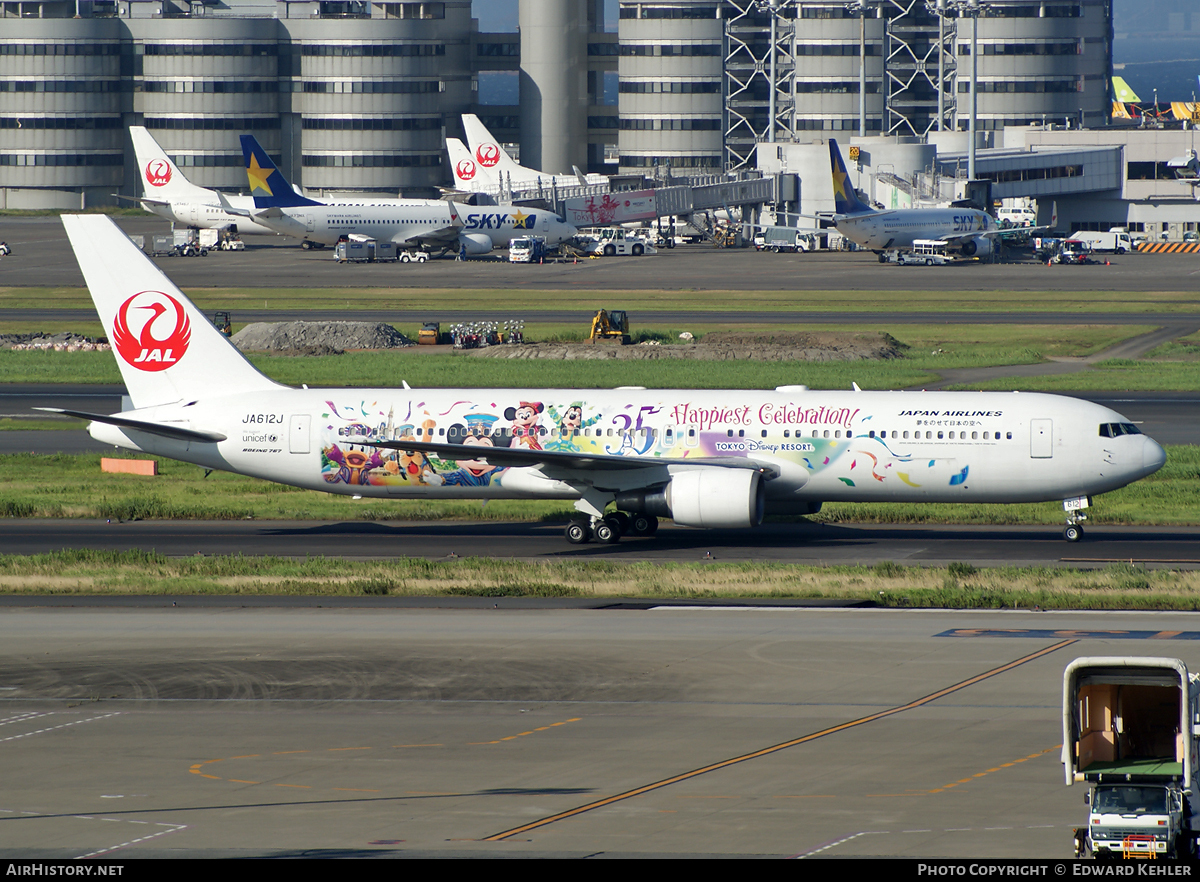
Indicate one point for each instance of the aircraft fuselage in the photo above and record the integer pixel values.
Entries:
(822, 446)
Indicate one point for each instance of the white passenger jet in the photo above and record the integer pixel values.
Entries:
(167, 193)
(968, 230)
(495, 166)
(715, 459)
(428, 224)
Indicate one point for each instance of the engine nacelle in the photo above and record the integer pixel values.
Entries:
(475, 243)
(710, 497)
(980, 247)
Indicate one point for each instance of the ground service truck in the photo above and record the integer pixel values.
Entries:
(1129, 730)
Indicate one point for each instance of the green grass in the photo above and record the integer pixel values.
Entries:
(60, 485)
(927, 350)
(962, 586)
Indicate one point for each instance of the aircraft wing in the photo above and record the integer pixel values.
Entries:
(554, 460)
(142, 199)
(440, 238)
(177, 433)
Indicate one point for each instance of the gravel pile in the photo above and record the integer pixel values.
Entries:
(318, 338)
(64, 342)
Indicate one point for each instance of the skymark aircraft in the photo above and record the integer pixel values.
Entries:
(968, 230)
(428, 224)
(167, 193)
(715, 459)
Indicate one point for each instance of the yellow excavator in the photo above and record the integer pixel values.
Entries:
(610, 326)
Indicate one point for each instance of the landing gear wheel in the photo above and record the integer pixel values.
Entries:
(1073, 533)
(578, 532)
(643, 525)
(306, 245)
(620, 521)
(606, 532)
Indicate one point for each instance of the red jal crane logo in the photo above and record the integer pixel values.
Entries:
(465, 169)
(158, 172)
(156, 312)
(488, 155)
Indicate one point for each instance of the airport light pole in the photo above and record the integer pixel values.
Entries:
(860, 9)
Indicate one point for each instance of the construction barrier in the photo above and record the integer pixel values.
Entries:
(1169, 247)
(129, 466)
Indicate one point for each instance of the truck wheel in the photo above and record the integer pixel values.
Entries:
(610, 250)
(578, 532)
(404, 258)
(422, 257)
(638, 250)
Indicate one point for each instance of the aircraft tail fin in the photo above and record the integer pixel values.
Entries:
(487, 150)
(166, 348)
(469, 175)
(845, 200)
(268, 186)
(161, 178)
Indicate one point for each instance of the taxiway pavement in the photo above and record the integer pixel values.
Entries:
(786, 732)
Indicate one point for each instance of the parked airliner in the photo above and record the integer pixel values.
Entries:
(167, 193)
(494, 166)
(704, 458)
(428, 224)
(968, 230)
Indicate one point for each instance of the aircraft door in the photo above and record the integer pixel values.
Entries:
(309, 223)
(1041, 439)
(299, 425)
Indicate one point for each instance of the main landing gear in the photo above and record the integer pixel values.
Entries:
(610, 528)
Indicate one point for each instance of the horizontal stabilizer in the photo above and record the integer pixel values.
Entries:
(176, 432)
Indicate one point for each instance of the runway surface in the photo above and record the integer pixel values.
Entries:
(217, 731)
(800, 543)
(41, 257)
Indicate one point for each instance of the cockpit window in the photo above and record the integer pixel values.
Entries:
(1116, 430)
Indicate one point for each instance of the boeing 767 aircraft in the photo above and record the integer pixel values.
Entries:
(625, 457)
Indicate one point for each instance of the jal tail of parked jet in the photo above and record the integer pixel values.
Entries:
(162, 181)
(492, 158)
(268, 186)
(845, 199)
(469, 175)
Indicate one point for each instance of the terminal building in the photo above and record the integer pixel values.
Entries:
(359, 96)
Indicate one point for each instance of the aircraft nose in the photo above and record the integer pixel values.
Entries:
(1153, 456)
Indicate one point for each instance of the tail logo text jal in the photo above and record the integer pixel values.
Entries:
(465, 169)
(139, 322)
(158, 172)
(488, 155)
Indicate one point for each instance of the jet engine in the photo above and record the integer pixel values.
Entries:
(475, 243)
(980, 247)
(711, 497)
